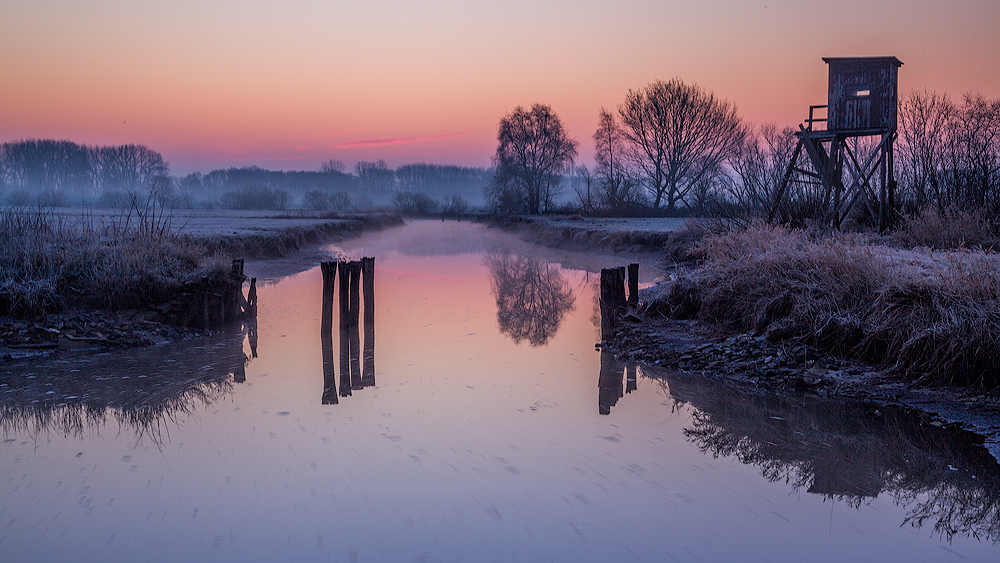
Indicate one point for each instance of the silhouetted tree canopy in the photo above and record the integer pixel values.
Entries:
(533, 152)
(677, 134)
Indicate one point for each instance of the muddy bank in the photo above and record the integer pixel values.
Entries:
(276, 246)
(261, 238)
(782, 368)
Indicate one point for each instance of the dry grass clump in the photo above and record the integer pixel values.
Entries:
(49, 263)
(932, 317)
(947, 229)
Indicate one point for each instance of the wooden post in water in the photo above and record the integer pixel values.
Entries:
(329, 270)
(354, 328)
(345, 345)
(368, 362)
(633, 285)
(613, 301)
(329, 372)
(233, 300)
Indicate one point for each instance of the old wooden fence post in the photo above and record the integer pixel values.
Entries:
(368, 363)
(613, 301)
(633, 285)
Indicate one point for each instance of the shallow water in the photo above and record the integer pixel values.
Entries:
(482, 439)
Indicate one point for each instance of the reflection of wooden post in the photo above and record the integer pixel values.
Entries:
(252, 298)
(329, 373)
(345, 346)
(368, 363)
(252, 334)
(630, 382)
(609, 383)
(633, 284)
(234, 294)
(354, 328)
(329, 270)
(612, 299)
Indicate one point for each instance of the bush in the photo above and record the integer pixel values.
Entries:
(947, 229)
(414, 202)
(455, 206)
(317, 200)
(19, 198)
(320, 200)
(115, 200)
(51, 198)
(256, 197)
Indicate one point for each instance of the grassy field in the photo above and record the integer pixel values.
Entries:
(131, 258)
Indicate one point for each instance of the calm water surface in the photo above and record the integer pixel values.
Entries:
(482, 439)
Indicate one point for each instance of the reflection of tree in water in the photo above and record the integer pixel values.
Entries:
(852, 452)
(532, 297)
(143, 390)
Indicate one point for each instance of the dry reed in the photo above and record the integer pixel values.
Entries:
(930, 316)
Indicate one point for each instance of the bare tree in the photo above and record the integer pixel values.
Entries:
(677, 134)
(128, 167)
(333, 166)
(974, 153)
(925, 120)
(45, 164)
(533, 152)
(375, 177)
(758, 165)
(616, 184)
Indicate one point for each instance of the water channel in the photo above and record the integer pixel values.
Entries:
(493, 431)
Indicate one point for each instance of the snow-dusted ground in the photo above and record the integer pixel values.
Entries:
(632, 224)
(205, 222)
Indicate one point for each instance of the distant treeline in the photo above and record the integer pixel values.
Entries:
(57, 173)
(52, 171)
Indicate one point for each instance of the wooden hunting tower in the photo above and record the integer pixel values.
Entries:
(838, 161)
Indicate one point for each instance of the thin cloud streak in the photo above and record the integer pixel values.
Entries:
(393, 141)
(951, 71)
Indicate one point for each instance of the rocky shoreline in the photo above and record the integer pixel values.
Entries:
(754, 362)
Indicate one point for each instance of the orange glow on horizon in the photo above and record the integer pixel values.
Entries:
(288, 86)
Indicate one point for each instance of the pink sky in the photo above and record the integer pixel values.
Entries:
(288, 85)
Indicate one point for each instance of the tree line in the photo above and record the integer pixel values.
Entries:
(56, 172)
(669, 147)
(672, 147)
(57, 169)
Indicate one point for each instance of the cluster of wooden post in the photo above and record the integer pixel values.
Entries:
(214, 303)
(355, 373)
(614, 303)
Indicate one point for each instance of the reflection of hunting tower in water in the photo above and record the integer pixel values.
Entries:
(357, 367)
(532, 297)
